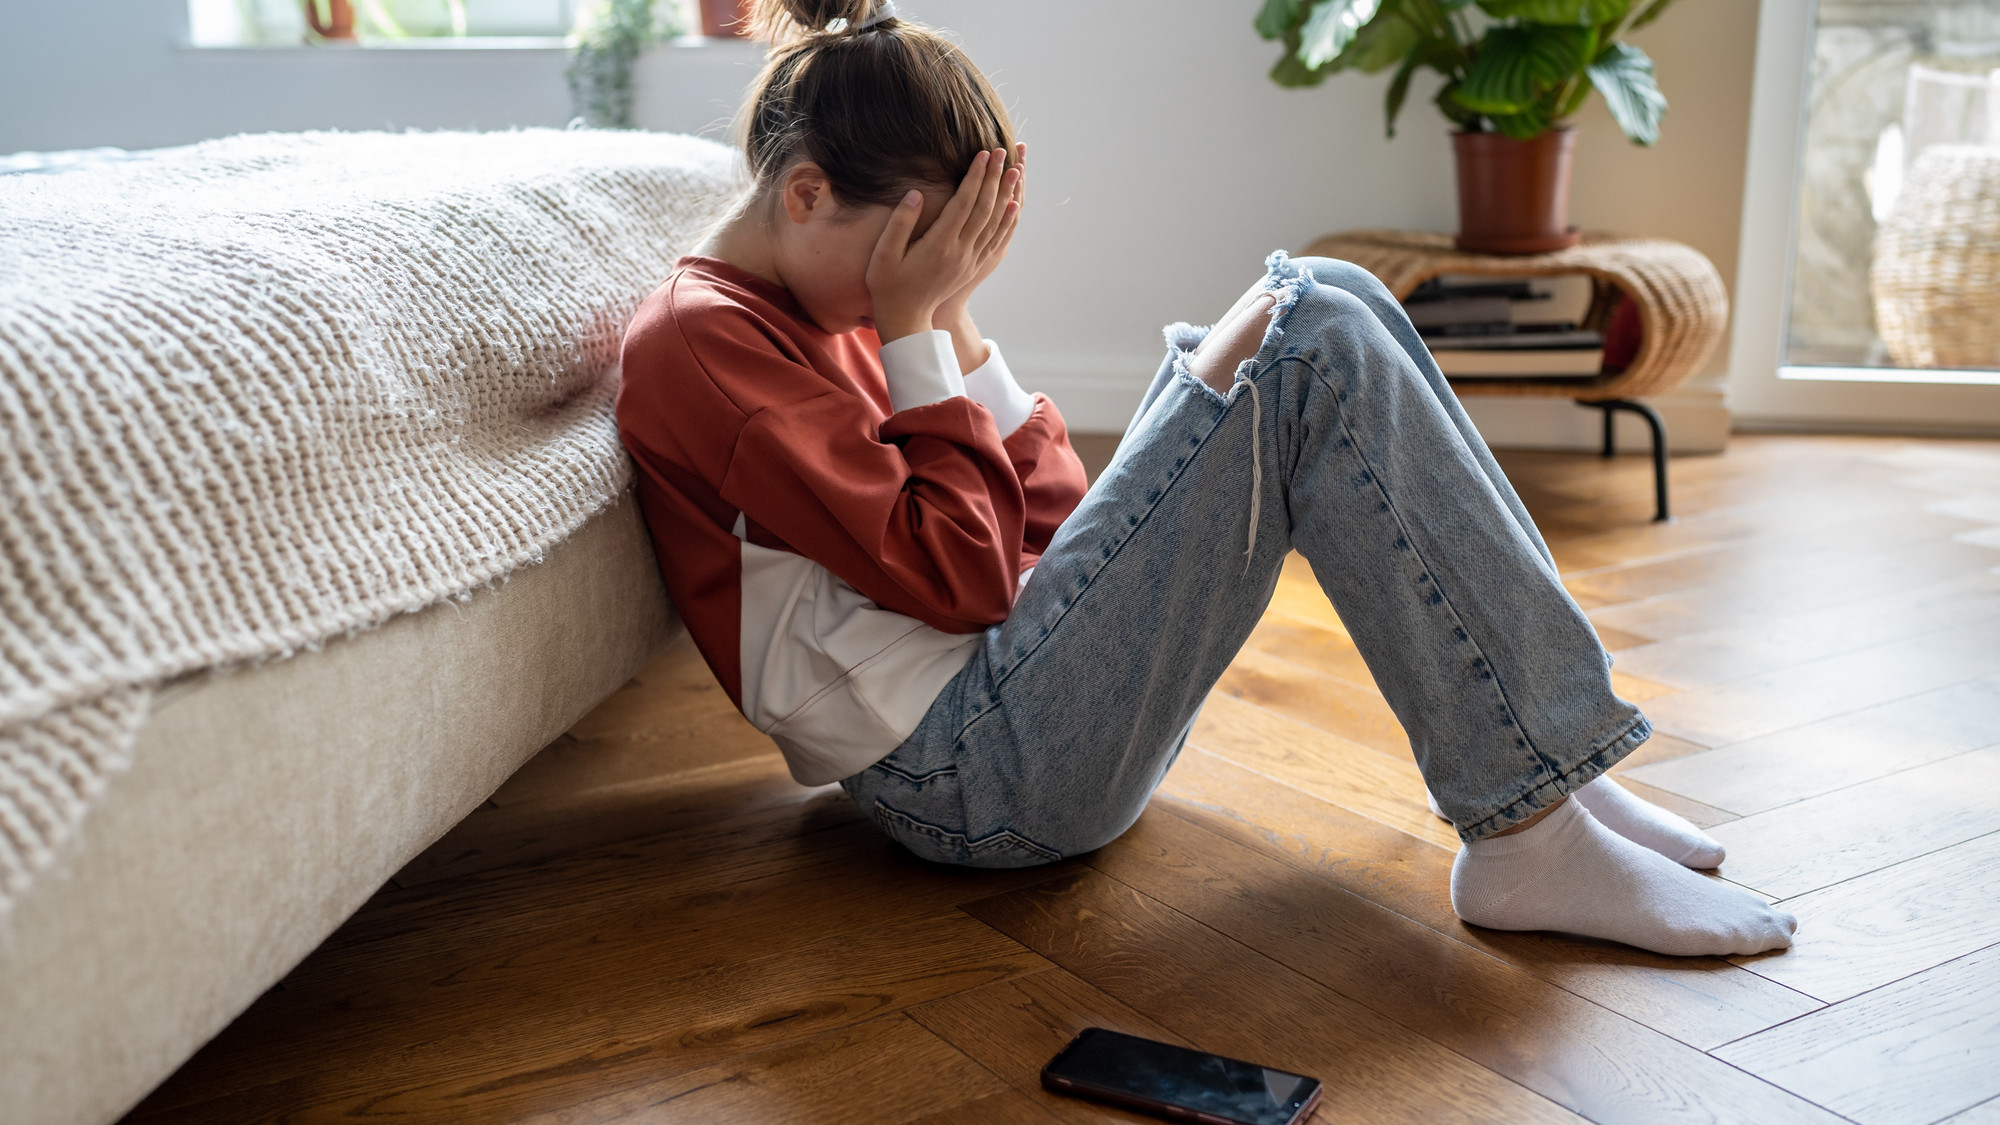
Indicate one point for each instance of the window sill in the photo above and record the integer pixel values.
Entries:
(465, 43)
(1977, 377)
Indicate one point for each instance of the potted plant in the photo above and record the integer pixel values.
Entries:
(1514, 73)
(608, 38)
(338, 20)
(330, 19)
(723, 19)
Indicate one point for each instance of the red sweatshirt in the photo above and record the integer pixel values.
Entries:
(836, 526)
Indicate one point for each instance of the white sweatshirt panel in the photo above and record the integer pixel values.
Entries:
(922, 369)
(836, 680)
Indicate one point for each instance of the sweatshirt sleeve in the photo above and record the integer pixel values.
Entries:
(922, 512)
(923, 368)
(992, 386)
(1051, 474)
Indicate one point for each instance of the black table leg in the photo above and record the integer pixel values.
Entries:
(1610, 407)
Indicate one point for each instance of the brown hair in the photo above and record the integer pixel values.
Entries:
(881, 110)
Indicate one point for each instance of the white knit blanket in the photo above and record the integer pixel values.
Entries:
(264, 391)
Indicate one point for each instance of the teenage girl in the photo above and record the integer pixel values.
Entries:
(885, 550)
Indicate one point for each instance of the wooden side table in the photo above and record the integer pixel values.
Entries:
(1682, 309)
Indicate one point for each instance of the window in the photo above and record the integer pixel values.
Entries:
(389, 23)
(1896, 248)
(1807, 350)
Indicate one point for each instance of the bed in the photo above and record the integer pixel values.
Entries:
(313, 527)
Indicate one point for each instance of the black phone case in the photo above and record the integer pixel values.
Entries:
(1056, 1083)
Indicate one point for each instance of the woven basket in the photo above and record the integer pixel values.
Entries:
(1936, 277)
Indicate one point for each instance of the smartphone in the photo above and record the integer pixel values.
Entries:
(1177, 1083)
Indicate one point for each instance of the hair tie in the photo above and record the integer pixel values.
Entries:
(886, 12)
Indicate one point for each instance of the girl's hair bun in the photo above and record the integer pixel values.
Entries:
(881, 104)
(782, 21)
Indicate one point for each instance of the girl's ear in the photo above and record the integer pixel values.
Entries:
(805, 191)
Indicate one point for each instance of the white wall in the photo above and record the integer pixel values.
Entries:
(80, 73)
(1163, 166)
(1687, 187)
(85, 73)
(1164, 163)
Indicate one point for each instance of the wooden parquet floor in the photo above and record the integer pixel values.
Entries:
(652, 923)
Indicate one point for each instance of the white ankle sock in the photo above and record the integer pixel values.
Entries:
(1570, 873)
(1641, 822)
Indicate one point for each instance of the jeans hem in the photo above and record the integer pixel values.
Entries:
(1549, 792)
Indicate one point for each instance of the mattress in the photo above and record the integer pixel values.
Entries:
(266, 390)
(266, 805)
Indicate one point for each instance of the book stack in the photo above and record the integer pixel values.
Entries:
(1506, 327)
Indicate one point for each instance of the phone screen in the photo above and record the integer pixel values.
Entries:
(1141, 1072)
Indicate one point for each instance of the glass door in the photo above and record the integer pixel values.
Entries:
(1869, 290)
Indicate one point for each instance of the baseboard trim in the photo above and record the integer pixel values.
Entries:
(1697, 421)
(1091, 404)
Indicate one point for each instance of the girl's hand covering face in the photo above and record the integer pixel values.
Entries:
(1020, 196)
(908, 280)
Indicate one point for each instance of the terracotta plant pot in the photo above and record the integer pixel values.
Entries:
(1513, 196)
(721, 19)
(340, 19)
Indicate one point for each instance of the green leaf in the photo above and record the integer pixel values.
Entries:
(1279, 16)
(1558, 13)
(1522, 126)
(1516, 64)
(1571, 102)
(380, 17)
(1331, 27)
(1651, 13)
(1624, 75)
(1447, 103)
(1381, 43)
(1399, 89)
(1291, 73)
(1443, 56)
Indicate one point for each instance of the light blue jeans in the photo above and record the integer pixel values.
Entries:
(1341, 439)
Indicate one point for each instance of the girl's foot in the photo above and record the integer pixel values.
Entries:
(1641, 822)
(1645, 823)
(1572, 874)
